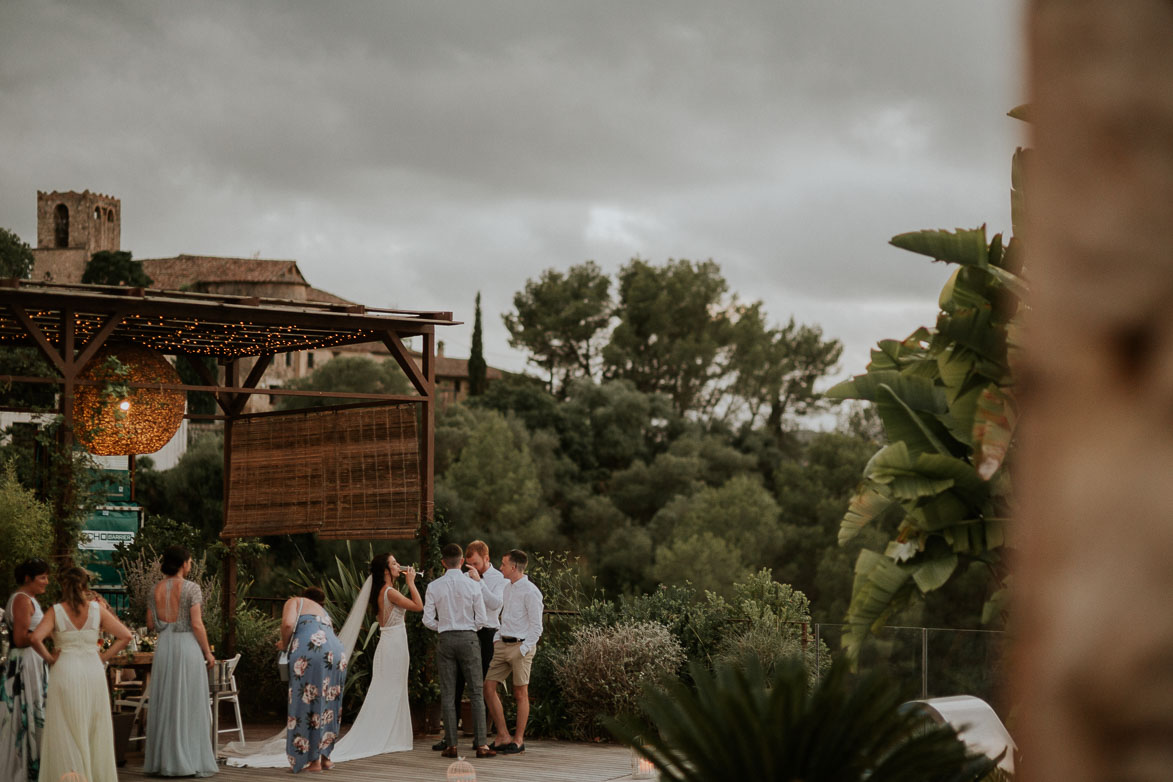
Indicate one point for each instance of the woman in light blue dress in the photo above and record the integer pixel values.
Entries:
(25, 680)
(179, 727)
(317, 672)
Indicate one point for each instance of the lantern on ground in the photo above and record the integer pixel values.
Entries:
(462, 771)
(641, 767)
(112, 419)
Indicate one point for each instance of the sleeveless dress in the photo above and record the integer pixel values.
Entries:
(22, 703)
(179, 728)
(317, 672)
(383, 723)
(78, 735)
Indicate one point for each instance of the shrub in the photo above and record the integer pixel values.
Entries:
(140, 574)
(25, 527)
(265, 694)
(602, 672)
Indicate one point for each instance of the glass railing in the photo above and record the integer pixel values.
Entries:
(928, 662)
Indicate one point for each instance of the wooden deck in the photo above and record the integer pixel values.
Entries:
(543, 761)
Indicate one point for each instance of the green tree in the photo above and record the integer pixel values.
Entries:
(191, 492)
(346, 373)
(16, 257)
(673, 326)
(776, 369)
(476, 356)
(114, 267)
(559, 320)
(26, 529)
(946, 397)
(718, 535)
(492, 490)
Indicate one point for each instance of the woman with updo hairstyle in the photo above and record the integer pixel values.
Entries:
(317, 673)
(26, 678)
(179, 727)
(383, 723)
(78, 736)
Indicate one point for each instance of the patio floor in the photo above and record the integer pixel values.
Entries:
(543, 761)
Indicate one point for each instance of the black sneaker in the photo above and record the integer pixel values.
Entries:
(440, 745)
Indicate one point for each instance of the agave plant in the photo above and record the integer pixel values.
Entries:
(947, 401)
(740, 723)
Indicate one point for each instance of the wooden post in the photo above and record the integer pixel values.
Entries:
(427, 446)
(230, 372)
(1091, 674)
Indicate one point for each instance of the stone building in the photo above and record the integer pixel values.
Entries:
(71, 227)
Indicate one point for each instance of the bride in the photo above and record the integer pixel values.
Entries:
(383, 723)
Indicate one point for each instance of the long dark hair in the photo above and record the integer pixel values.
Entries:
(379, 566)
(74, 584)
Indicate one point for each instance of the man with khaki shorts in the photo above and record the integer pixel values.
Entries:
(514, 648)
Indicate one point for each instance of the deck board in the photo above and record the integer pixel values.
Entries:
(543, 761)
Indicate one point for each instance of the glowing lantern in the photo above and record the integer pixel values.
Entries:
(110, 419)
(641, 767)
(462, 771)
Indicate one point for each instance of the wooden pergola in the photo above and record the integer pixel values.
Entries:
(70, 323)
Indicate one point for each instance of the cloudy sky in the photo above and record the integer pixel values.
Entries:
(410, 154)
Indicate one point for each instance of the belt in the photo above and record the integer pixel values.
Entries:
(509, 640)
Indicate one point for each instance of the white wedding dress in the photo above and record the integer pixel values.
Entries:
(383, 723)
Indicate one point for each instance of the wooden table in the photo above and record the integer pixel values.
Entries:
(140, 663)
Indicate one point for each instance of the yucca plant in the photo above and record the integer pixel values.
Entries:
(740, 723)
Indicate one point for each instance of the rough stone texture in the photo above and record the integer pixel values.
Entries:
(93, 222)
(1093, 673)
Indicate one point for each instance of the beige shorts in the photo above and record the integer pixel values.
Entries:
(507, 658)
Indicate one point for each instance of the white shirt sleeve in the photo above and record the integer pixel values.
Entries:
(480, 616)
(430, 620)
(492, 595)
(533, 610)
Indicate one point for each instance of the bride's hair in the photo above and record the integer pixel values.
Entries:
(378, 567)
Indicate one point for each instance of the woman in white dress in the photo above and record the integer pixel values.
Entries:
(383, 723)
(79, 736)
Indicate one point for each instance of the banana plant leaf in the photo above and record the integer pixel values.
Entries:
(880, 588)
(918, 393)
(993, 429)
(934, 573)
(866, 506)
(965, 247)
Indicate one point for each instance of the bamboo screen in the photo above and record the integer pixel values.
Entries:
(343, 474)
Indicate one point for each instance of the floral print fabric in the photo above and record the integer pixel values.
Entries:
(317, 672)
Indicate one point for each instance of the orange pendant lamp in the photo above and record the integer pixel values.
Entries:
(111, 419)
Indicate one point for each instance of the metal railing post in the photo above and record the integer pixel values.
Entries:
(924, 663)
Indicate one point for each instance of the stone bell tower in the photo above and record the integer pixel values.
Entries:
(71, 227)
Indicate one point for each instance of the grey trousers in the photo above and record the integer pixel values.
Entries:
(460, 650)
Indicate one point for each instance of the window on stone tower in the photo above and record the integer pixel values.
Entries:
(61, 226)
(97, 213)
(309, 360)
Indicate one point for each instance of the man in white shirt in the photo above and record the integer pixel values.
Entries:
(480, 569)
(514, 649)
(455, 608)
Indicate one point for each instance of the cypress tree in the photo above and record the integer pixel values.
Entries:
(476, 356)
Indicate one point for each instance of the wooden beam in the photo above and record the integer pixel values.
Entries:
(222, 399)
(240, 400)
(402, 357)
(100, 336)
(34, 331)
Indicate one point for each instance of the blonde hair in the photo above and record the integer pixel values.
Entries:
(477, 547)
(75, 583)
